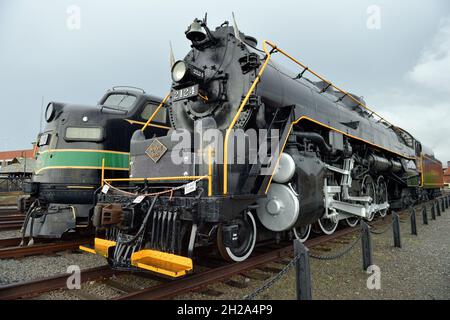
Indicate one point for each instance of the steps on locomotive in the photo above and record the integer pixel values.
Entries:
(161, 262)
(152, 260)
(101, 247)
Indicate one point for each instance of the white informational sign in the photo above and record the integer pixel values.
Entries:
(139, 199)
(105, 189)
(190, 187)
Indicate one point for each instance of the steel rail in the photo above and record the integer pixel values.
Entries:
(10, 226)
(11, 218)
(10, 242)
(39, 286)
(37, 249)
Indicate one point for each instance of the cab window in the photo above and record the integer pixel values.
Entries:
(120, 101)
(150, 109)
(93, 134)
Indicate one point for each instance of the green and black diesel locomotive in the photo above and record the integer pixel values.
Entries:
(76, 143)
(333, 160)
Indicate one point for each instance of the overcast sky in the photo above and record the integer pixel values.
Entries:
(400, 62)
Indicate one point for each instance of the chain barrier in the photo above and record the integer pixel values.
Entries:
(376, 232)
(269, 283)
(339, 254)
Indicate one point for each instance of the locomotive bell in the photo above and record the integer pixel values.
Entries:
(195, 32)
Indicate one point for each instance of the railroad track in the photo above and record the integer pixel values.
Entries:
(169, 289)
(11, 220)
(35, 287)
(15, 251)
(10, 225)
(165, 289)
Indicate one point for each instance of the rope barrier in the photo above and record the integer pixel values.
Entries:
(130, 194)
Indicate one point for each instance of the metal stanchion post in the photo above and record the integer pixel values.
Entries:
(396, 230)
(302, 271)
(438, 206)
(366, 242)
(424, 215)
(433, 211)
(413, 222)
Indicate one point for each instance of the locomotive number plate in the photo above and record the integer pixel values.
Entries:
(185, 93)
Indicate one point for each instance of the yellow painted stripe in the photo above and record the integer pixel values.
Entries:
(79, 168)
(84, 150)
(331, 128)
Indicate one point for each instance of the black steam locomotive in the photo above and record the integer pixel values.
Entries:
(77, 142)
(313, 155)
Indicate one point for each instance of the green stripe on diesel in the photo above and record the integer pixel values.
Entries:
(83, 159)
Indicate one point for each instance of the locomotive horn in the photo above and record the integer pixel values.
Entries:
(195, 32)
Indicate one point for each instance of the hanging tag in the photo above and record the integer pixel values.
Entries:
(190, 187)
(105, 189)
(139, 199)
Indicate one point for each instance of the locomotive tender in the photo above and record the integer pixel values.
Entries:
(337, 161)
(76, 143)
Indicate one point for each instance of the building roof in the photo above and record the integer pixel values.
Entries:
(19, 165)
(10, 155)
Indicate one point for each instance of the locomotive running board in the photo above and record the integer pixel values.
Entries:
(101, 247)
(161, 262)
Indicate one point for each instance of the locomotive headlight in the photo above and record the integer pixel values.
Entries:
(183, 71)
(50, 112)
(179, 71)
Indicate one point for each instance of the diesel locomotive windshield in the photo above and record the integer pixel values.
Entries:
(120, 101)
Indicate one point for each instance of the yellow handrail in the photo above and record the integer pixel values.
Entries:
(252, 88)
(103, 172)
(156, 112)
(150, 125)
(345, 93)
(236, 117)
(210, 172)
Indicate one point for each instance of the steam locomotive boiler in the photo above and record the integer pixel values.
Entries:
(256, 152)
(76, 143)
